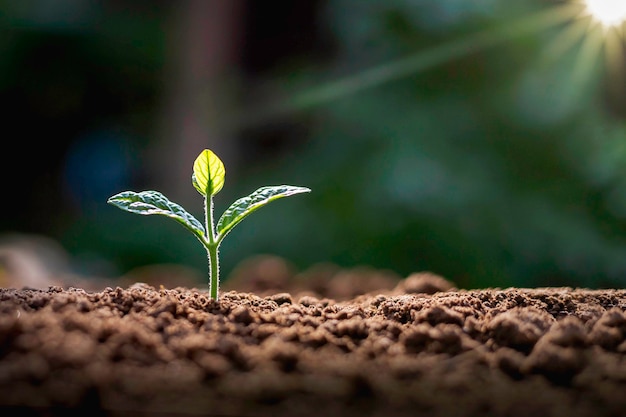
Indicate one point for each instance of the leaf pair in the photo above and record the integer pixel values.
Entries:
(208, 178)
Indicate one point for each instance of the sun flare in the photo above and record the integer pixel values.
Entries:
(600, 27)
(607, 12)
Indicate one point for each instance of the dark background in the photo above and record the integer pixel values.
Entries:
(482, 140)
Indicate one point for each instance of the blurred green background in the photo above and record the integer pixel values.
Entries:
(483, 140)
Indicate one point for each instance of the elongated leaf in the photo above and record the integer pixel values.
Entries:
(208, 173)
(153, 202)
(243, 207)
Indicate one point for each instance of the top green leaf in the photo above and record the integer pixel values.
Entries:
(208, 173)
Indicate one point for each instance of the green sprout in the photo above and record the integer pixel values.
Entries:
(208, 178)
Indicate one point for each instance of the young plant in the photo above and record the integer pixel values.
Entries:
(208, 179)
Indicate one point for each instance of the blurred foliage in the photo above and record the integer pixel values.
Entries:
(503, 166)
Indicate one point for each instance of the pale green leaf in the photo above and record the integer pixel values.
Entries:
(243, 207)
(208, 173)
(153, 202)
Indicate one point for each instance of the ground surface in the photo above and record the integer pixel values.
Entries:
(418, 347)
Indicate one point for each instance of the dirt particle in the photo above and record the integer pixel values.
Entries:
(519, 328)
(609, 330)
(510, 361)
(416, 339)
(354, 328)
(558, 364)
(423, 283)
(436, 315)
(212, 364)
(308, 301)
(281, 298)
(569, 332)
(242, 314)
(613, 318)
(166, 305)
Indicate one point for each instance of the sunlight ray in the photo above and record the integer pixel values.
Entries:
(424, 60)
(569, 36)
(413, 64)
(614, 57)
(588, 56)
(614, 49)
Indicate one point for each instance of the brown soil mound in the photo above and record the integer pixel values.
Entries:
(412, 349)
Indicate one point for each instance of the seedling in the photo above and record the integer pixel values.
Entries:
(208, 178)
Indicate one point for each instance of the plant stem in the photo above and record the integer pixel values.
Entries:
(214, 274)
(212, 247)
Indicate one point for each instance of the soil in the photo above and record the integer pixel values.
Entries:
(385, 347)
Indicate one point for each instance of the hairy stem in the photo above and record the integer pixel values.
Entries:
(214, 274)
(212, 247)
